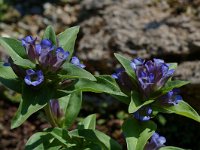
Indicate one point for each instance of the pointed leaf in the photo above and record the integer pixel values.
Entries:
(67, 39)
(127, 65)
(170, 85)
(32, 101)
(61, 135)
(182, 108)
(99, 138)
(172, 65)
(13, 46)
(70, 105)
(89, 122)
(170, 148)
(42, 141)
(50, 34)
(9, 78)
(15, 50)
(71, 71)
(136, 102)
(137, 133)
(104, 84)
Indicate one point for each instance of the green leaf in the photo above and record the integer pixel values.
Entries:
(32, 101)
(104, 84)
(71, 71)
(172, 65)
(170, 148)
(173, 84)
(137, 133)
(13, 47)
(9, 78)
(136, 102)
(67, 39)
(15, 50)
(50, 34)
(97, 137)
(43, 141)
(70, 105)
(62, 136)
(127, 65)
(170, 85)
(182, 108)
(89, 122)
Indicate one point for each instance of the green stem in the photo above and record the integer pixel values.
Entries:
(49, 115)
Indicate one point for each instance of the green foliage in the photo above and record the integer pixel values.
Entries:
(137, 133)
(67, 39)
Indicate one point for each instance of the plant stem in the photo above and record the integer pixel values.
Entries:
(49, 115)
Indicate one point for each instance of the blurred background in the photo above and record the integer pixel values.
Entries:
(166, 29)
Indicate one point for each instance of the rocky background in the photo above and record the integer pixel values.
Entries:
(167, 29)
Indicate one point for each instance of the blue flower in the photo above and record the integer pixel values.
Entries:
(143, 114)
(151, 75)
(28, 40)
(33, 77)
(76, 62)
(57, 60)
(156, 142)
(29, 44)
(171, 98)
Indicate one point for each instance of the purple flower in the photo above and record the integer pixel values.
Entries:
(29, 44)
(123, 79)
(76, 62)
(28, 40)
(171, 98)
(156, 142)
(118, 73)
(151, 75)
(61, 56)
(55, 108)
(44, 49)
(143, 114)
(33, 77)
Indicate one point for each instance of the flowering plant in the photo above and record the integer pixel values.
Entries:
(150, 90)
(50, 78)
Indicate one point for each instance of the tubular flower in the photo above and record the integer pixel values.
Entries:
(156, 142)
(143, 114)
(171, 98)
(55, 108)
(76, 62)
(48, 56)
(151, 75)
(34, 78)
(29, 44)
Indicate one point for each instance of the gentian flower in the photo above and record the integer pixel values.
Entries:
(156, 142)
(28, 40)
(76, 62)
(151, 75)
(143, 114)
(55, 108)
(171, 98)
(29, 44)
(33, 78)
(61, 56)
(123, 79)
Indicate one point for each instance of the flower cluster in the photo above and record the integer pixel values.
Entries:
(151, 76)
(156, 142)
(48, 57)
